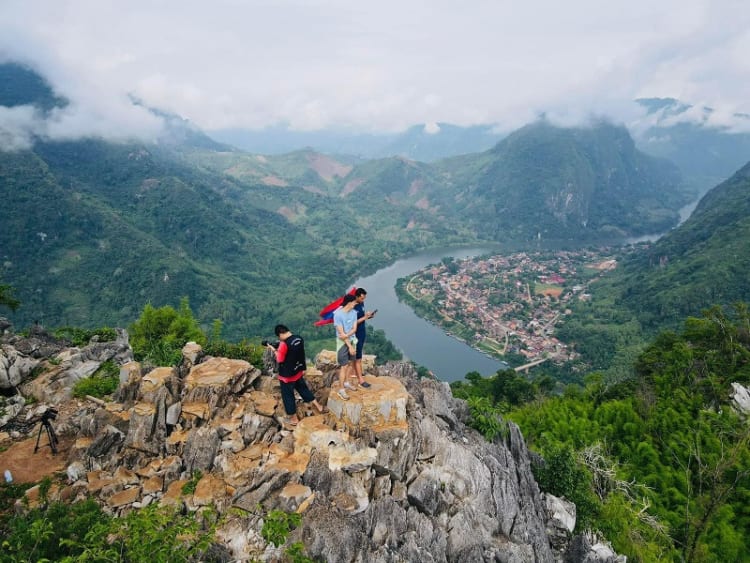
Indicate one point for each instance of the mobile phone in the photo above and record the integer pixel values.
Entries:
(373, 313)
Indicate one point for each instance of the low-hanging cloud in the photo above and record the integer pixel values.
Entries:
(374, 67)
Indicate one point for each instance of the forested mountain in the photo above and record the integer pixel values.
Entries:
(94, 230)
(21, 86)
(705, 261)
(557, 183)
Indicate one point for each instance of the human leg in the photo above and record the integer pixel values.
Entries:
(342, 357)
(287, 397)
(307, 395)
(358, 363)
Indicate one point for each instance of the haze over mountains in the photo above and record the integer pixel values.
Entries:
(93, 230)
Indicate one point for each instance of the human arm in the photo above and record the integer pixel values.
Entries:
(281, 352)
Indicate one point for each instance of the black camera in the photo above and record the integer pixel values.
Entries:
(272, 344)
(49, 414)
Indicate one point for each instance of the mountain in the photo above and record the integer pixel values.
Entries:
(549, 182)
(705, 261)
(20, 85)
(706, 154)
(419, 142)
(93, 230)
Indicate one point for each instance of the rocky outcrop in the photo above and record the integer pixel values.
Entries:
(392, 474)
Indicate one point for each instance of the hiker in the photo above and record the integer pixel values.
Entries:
(290, 354)
(345, 324)
(359, 297)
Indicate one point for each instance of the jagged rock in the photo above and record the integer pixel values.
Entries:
(106, 443)
(200, 449)
(393, 474)
(159, 382)
(71, 365)
(587, 548)
(211, 490)
(5, 325)
(124, 497)
(192, 353)
(263, 489)
(381, 407)
(561, 520)
(10, 407)
(15, 367)
(39, 344)
(740, 398)
(148, 428)
(217, 380)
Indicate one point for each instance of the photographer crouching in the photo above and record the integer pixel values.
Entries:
(290, 355)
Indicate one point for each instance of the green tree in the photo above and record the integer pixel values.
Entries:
(7, 299)
(159, 334)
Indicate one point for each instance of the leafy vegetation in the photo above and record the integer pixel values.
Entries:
(658, 463)
(7, 299)
(159, 334)
(83, 532)
(278, 524)
(104, 381)
(82, 336)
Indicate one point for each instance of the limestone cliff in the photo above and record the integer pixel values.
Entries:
(392, 474)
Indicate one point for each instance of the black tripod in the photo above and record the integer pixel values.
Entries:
(50, 414)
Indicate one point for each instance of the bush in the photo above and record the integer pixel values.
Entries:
(160, 334)
(83, 532)
(82, 336)
(102, 382)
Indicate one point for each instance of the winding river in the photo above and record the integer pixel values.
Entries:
(419, 340)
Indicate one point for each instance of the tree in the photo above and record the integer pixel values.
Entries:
(7, 299)
(160, 334)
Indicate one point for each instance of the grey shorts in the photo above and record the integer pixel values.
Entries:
(342, 356)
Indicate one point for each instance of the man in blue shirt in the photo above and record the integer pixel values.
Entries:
(359, 298)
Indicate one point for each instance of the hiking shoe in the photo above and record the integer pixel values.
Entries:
(343, 395)
(365, 384)
(350, 386)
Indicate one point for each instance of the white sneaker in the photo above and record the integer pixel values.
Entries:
(350, 386)
(343, 395)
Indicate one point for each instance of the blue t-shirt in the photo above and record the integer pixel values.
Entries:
(346, 320)
(361, 329)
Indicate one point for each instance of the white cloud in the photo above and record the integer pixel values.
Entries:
(376, 66)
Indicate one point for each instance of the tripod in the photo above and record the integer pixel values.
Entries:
(51, 436)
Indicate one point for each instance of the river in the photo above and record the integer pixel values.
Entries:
(423, 342)
(419, 340)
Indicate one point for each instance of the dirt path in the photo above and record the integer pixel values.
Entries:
(29, 467)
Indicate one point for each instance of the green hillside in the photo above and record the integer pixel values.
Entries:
(567, 183)
(94, 231)
(703, 262)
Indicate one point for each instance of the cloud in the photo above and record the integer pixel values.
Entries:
(376, 67)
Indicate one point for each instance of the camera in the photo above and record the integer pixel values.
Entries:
(272, 344)
(49, 414)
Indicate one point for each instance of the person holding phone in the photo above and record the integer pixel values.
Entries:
(362, 316)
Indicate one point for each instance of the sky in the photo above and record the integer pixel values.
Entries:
(372, 66)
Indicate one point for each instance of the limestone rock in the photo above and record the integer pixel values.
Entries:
(740, 398)
(15, 367)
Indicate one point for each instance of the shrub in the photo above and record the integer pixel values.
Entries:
(102, 382)
(277, 525)
(159, 334)
(82, 336)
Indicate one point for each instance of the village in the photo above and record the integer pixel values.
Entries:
(507, 305)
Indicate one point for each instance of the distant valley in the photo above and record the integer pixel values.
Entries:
(94, 230)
